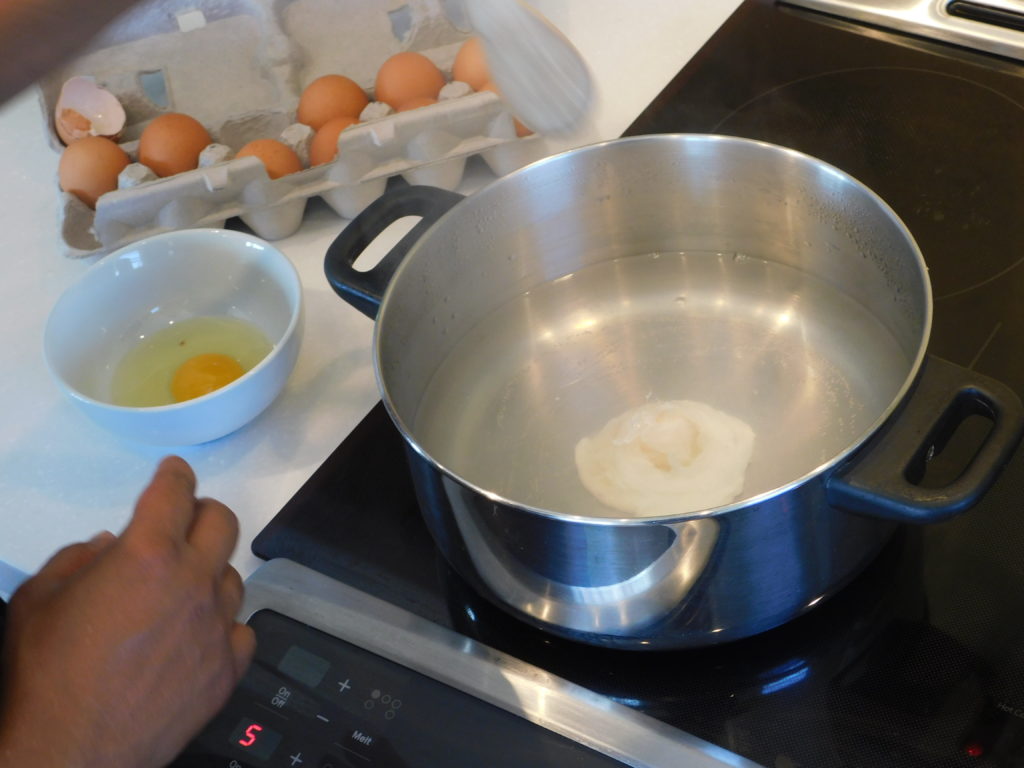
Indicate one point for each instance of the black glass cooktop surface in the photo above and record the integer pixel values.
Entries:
(920, 661)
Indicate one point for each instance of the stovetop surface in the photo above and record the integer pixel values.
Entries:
(920, 661)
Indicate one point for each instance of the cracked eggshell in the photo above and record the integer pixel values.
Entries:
(84, 109)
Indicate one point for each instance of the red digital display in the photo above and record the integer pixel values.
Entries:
(254, 738)
(250, 735)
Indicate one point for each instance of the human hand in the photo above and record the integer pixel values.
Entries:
(37, 35)
(121, 648)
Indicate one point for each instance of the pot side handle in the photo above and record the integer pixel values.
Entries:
(364, 289)
(877, 480)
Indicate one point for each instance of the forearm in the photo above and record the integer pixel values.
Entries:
(37, 35)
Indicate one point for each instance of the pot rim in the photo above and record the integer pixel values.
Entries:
(751, 501)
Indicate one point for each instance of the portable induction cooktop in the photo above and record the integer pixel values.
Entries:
(920, 661)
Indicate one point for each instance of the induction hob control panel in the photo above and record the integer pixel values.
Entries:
(344, 680)
(314, 700)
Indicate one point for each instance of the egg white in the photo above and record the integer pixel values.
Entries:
(664, 458)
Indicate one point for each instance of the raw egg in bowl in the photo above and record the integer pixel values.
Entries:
(180, 338)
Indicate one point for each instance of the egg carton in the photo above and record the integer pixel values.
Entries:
(239, 67)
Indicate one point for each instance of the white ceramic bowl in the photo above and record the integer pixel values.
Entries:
(146, 286)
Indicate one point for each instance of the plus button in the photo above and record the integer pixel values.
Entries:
(296, 758)
(343, 686)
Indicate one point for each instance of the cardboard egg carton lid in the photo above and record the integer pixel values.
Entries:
(239, 67)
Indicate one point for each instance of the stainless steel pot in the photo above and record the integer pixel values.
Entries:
(752, 277)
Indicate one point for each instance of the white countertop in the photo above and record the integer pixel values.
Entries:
(62, 478)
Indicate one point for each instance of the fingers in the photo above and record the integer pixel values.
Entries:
(243, 647)
(213, 533)
(167, 505)
(242, 638)
(168, 509)
(231, 592)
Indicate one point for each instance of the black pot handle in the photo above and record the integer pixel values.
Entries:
(878, 481)
(364, 290)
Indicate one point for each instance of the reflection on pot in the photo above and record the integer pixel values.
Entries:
(615, 585)
(719, 693)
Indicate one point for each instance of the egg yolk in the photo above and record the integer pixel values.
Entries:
(202, 374)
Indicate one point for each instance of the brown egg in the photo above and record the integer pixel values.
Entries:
(171, 144)
(405, 76)
(324, 146)
(278, 158)
(329, 97)
(521, 130)
(416, 103)
(89, 167)
(470, 64)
